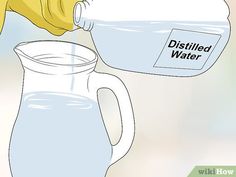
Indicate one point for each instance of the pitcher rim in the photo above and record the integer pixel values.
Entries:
(20, 52)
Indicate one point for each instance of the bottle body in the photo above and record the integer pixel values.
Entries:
(163, 48)
(173, 38)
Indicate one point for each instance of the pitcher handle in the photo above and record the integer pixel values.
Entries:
(98, 81)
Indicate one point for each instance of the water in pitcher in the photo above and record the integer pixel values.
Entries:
(59, 135)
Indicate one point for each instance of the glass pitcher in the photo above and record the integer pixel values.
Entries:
(59, 130)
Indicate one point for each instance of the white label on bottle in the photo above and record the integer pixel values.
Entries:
(187, 50)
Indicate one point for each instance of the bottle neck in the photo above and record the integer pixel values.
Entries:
(80, 16)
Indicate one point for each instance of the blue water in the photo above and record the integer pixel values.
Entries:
(59, 135)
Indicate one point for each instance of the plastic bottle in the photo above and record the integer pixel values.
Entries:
(165, 37)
